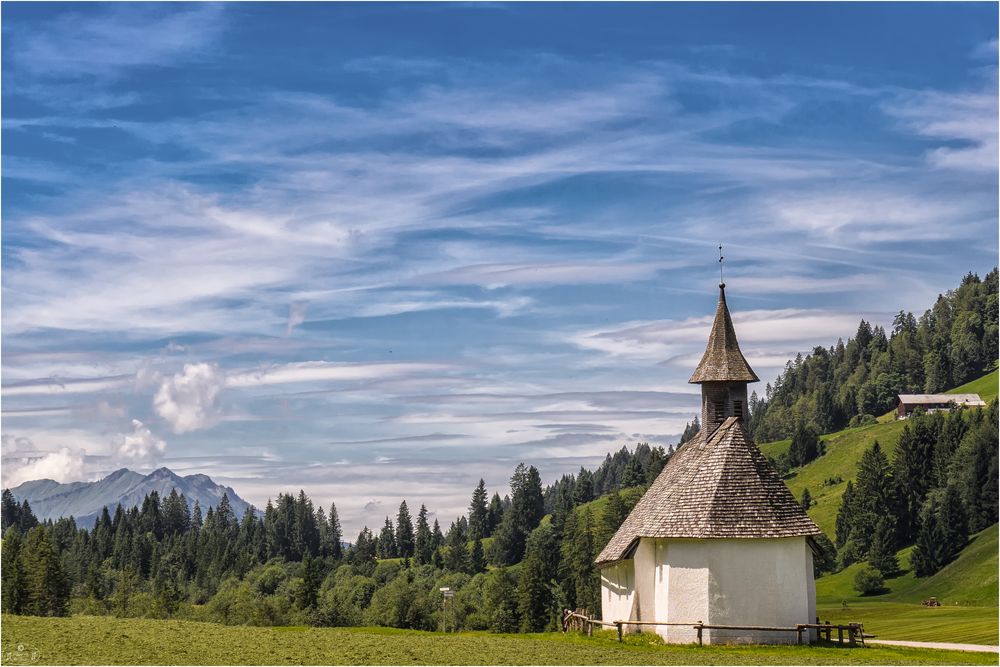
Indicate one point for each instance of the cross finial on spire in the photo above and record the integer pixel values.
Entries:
(722, 283)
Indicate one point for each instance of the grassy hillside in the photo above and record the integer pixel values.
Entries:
(985, 386)
(104, 640)
(844, 448)
(966, 588)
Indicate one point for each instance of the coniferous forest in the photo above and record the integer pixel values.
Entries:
(516, 561)
(848, 384)
(289, 565)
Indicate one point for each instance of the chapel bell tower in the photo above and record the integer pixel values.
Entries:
(723, 373)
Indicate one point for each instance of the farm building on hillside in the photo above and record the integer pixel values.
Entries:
(718, 537)
(931, 402)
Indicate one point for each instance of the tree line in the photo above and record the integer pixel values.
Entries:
(289, 564)
(953, 342)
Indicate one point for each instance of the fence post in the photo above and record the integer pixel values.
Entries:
(699, 629)
(798, 634)
(619, 624)
(590, 627)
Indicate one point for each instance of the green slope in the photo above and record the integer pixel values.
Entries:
(985, 386)
(844, 448)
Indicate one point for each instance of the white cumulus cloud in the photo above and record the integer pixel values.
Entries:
(140, 445)
(63, 465)
(187, 400)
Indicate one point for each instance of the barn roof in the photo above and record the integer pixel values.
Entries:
(722, 487)
(934, 399)
(723, 360)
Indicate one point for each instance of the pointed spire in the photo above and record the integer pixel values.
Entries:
(723, 361)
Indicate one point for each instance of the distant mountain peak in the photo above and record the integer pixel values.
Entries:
(85, 500)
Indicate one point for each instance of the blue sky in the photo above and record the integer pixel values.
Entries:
(381, 251)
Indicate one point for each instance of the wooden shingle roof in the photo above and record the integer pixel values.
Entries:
(723, 360)
(722, 487)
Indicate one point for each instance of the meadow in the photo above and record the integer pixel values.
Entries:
(106, 640)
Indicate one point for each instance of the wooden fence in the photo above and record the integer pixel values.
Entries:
(581, 621)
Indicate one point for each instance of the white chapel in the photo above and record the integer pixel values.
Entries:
(718, 537)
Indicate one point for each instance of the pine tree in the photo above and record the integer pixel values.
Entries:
(928, 555)
(495, 513)
(386, 547)
(478, 513)
(477, 563)
(311, 579)
(424, 541)
(196, 520)
(457, 555)
(845, 514)
(404, 532)
(535, 598)
(881, 554)
(11, 576)
(583, 491)
(612, 517)
(913, 473)
(585, 582)
(632, 475)
(46, 590)
(954, 523)
(335, 533)
(807, 500)
(873, 496)
(10, 511)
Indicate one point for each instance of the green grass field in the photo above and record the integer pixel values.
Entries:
(966, 588)
(105, 640)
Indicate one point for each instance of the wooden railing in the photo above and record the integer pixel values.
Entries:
(580, 620)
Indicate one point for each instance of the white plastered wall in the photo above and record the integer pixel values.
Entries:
(617, 591)
(718, 582)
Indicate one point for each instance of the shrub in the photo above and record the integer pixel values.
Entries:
(869, 581)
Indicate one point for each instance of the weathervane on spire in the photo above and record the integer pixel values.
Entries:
(722, 283)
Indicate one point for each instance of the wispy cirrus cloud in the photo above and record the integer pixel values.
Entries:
(100, 44)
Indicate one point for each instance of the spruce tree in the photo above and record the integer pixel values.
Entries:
(437, 537)
(954, 523)
(845, 515)
(479, 513)
(807, 500)
(335, 534)
(46, 590)
(11, 576)
(913, 473)
(928, 553)
(10, 511)
(404, 532)
(882, 554)
(423, 543)
(457, 555)
(495, 512)
(477, 562)
(386, 546)
(535, 598)
(612, 517)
